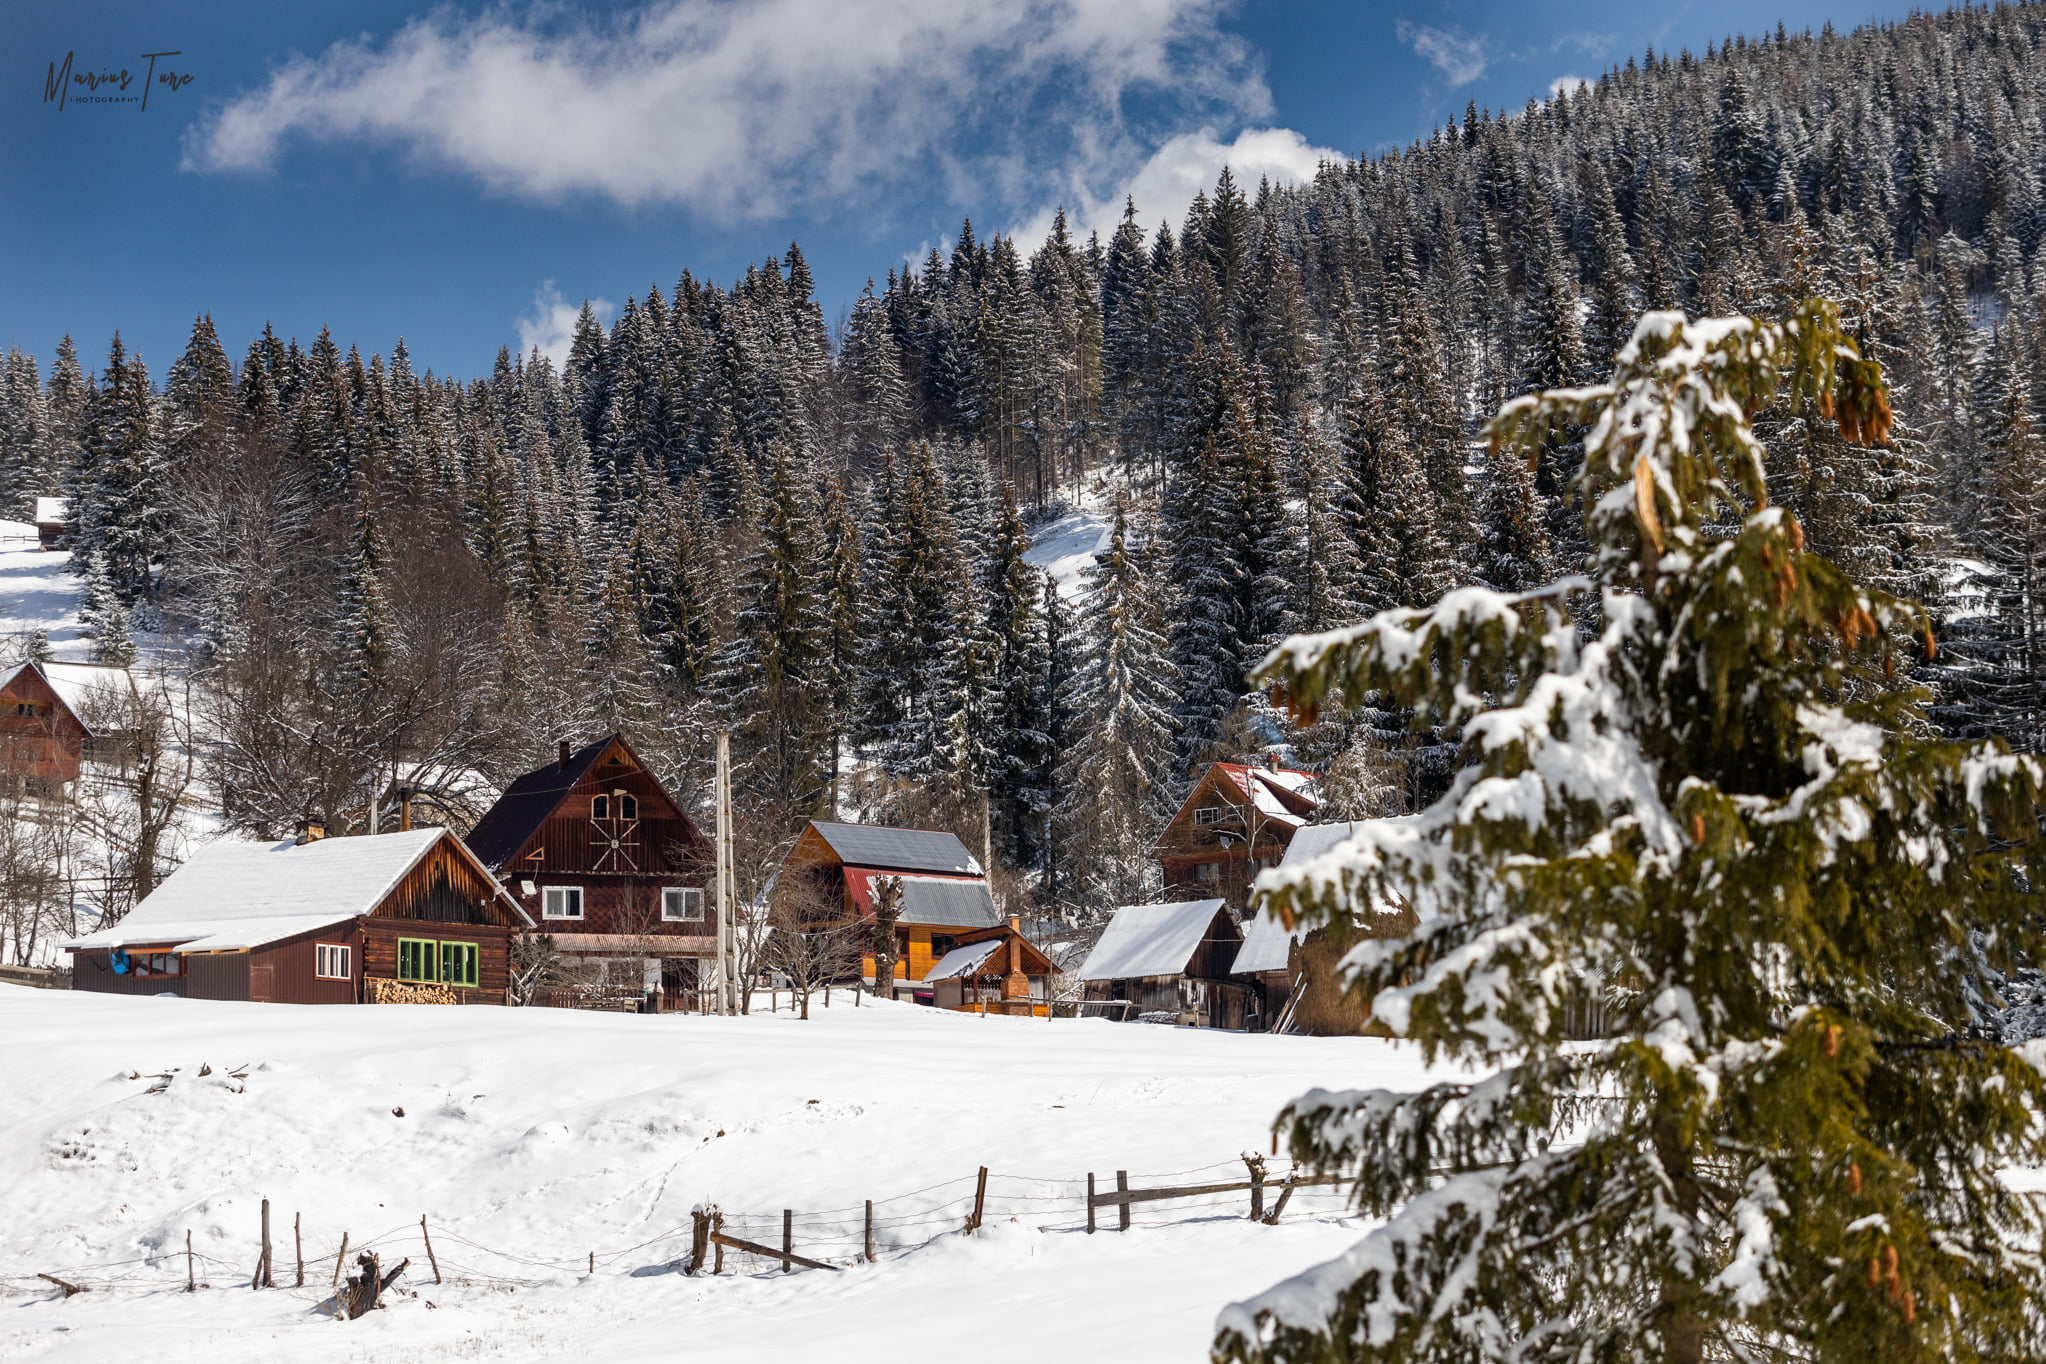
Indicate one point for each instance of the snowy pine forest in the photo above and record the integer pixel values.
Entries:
(725, 512)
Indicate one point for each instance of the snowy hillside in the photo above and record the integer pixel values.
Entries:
(1068, 543)
(546, 1135)
(38, 590)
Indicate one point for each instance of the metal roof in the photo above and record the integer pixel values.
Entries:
(948, 904)
(1150, 940)
(875, 845)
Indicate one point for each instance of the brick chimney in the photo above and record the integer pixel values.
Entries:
(311, 831)
(562, 762)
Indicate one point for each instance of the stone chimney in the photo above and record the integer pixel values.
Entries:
(562, 761)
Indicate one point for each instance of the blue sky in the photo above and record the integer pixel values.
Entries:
(463, 175)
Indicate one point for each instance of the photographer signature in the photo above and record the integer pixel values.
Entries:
(57, 86)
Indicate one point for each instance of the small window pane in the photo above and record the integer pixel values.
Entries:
(628, 807)
(682, 904)
(600, 807)
(561, 902)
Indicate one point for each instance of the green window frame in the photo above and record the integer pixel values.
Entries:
(432, 961)
(418, 959)
(458, 964)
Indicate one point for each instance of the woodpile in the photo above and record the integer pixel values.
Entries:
(383, 991)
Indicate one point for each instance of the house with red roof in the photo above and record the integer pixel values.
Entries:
(1238, 819)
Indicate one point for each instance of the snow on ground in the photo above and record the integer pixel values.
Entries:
(545, 1135)
(1068, 543)
(38, 589)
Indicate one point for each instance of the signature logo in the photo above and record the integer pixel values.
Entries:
(58, 87)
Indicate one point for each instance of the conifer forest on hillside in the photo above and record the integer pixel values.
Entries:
(723, 513)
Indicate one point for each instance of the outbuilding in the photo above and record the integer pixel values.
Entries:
(384, 918)
(992, 971)
(1169, 963)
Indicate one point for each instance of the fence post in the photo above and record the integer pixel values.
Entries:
(1090, 1202)
(298, 1247)
(699, 1240)
(1122, 1209)
(788, 1237)
(979, 1202)
(1256, 1165)
(191, 1276)
(718, 1222)
(870, 1226)
(263, 1277)
(429, 1249)
(339, 1256)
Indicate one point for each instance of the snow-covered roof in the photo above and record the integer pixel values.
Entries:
(1316, 839)
(236, 895)
(1150, 940)
(963, 961)
(54, 511)
(1267, 945)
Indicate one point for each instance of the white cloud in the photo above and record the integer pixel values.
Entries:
(1571, 83)
(551, 324)
(1460, 59)
(749, 108)
(1187, 164)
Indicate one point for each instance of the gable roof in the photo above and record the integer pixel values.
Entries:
(1150, 940)
(235, 895)
(962, 961)
(885, 849)
(1267, 945)
(531, 799)
(1281, 796)
(53, 511)
(71, 698)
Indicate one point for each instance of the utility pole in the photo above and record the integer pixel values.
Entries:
(728, 941)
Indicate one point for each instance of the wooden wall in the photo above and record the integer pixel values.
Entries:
(210, 975)
(444, 888)
(49, 744)
(282, 972)
(378, 953)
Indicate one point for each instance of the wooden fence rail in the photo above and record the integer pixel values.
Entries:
(1123, 1195)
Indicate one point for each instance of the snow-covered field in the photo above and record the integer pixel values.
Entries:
(532, 1138)
(38, 589)
(1067, 544)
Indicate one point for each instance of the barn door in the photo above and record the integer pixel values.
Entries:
(262, 983)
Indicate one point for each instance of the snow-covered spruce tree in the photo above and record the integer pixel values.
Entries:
(1787, 1144)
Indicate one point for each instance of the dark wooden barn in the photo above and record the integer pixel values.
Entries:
(404, 917)
(606, 863)
(1170, 963)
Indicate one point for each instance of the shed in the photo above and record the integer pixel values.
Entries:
(1170, 959)
(317, 921)
(53, 522)
(992, 970)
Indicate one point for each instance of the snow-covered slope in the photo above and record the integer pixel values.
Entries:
(545, 1135)
(1068, 543)
(38, 590)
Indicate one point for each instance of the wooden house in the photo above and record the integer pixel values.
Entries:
(42, 737)
(53, 522)
(992, 971)
(397, 917)
(607, 864)
(1235, 822)
(1169, 963)
(944, 889)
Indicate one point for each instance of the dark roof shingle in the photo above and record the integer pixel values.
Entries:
(526, 804)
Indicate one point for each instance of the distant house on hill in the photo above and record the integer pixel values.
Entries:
(1235, 822)
(42, 736)
(945, 898)
(1170, 962)
(605, 861)
(384, 917)
(53, 522)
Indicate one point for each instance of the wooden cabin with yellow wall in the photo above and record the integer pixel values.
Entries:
(844, 871)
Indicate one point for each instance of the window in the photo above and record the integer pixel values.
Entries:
(429, 960)
(1212, 814)
(628, 808)
(1207, 871)
(600, 807)
(682, 904)
(154, 964)
(940, 945)
(330, 961)
(561, 902)
(458, 964)
(417, 959)
(24, 708)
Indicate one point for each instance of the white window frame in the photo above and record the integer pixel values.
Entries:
(682, 905)
(1208, 816)
(333, 961)
(556, 902)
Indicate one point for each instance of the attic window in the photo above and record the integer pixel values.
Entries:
(24, 708)
(1215, 814)
(628, 808)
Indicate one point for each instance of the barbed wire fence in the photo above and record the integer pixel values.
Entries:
(836, 1238)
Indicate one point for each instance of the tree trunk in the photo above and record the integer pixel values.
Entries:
(1683, 1334)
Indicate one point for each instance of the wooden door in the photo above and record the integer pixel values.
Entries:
(262, 983)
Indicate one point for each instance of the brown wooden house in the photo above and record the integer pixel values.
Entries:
(1235, 822)
(1169, 963)
(397, 917)
(992, 971)
(606, 863)
(944, 889)
(42, 737)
